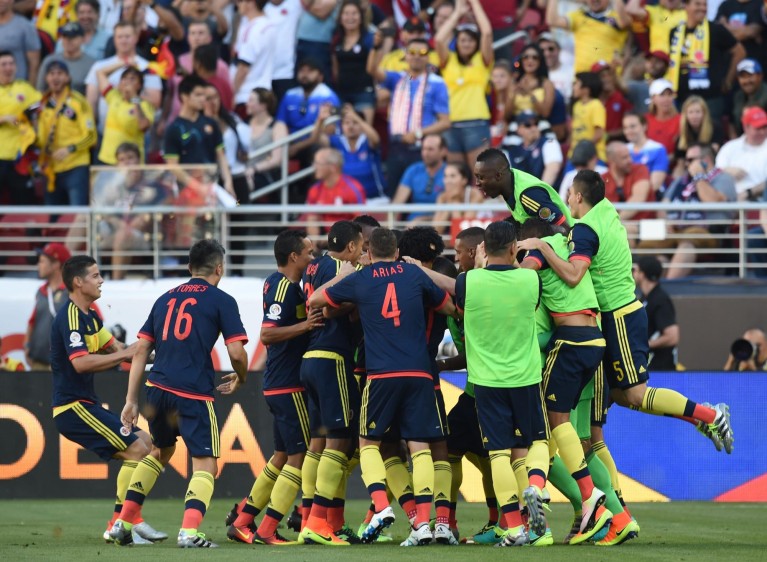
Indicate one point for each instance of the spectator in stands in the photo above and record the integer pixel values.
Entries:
(18, 109)
(704, 182)
(396, 60)
(423, 181)
(199, 34)
(95, 38)
(662, 116)
(51, 296)
(466, 72)
(531, 89)
(50, 16)
(458, 189)
(500, 78)
(659, 19)
(128, 116)
(645, 151)
(284, 15)
(558, 63)
(634, 81)
(66, 131)
(350, 49)
(419, 107)
(599, 32)
(506, 17)
(19, 37)
(758, 360)
(745, 20)
(125, 39)
(153, 30)
(584, 157)
(73, 55)
(613, 98)
(206, 11)
(589, 115)
(264, 130)
(253, 52)
(315, 31)
(537, 154)
(695, 127)
(332, 188)
(205, 65)
(693, 71)
(626, 181)
(662, 328)
(745, 158)
(752, 91)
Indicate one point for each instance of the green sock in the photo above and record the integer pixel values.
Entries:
(601, 477)
(563, 481)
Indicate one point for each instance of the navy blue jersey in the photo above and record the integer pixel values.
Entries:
(283, 306)
(391, 298)
(75, 333)
(337, 335)
(184, 325)
(436, 324)
(584, 242)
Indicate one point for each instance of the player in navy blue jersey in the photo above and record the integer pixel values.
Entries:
(80, 347)
(390, 298)
(327, 372)
(183, 327)
(285, 333)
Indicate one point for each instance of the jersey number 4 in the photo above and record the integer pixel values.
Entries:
(390, 308)
(183, 325)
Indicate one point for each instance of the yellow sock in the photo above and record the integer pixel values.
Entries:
(124, 478)
(456, 476)
(331, 469)
(504, 482)
(341, 490)
(553, 447)
(262, 487)
(443, 478)
(397, 477)
(423, 473)
(570, 449)
(520, 476)
(197, 499)
(600, 450)
(285, 489)
(309, 474)
(663, 401)
(372, 465)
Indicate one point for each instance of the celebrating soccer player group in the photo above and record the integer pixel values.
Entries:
(543, 315)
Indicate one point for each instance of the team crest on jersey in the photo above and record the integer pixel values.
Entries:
(274, 312)
(124, 431)
(208, 129)
(545, 214)
(75, 339)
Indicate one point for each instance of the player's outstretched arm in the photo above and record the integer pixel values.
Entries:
(277, 334)
(142, 348)
(239, 359)
(571, 272)
(442, 281)
(94, 362)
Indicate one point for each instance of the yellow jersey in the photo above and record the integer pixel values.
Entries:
(121, 126)
(394, 61)
(587, 117)
(68, 122)
(522, 102)
(597, 38)
(467, 87)
(17, 98)
(51, 15)
(660, 21)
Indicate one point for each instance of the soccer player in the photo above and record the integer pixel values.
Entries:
(391, 298)
(285, 333)
(80, 347)
(183, 327)
(327, 372)
(506, 374)
(368, 224)
(525, 195)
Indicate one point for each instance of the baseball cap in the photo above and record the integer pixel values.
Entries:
(415, 25)
(749, 66)
(526, 116)
(72, 29)
(659, 86)
(55, 251)
(583, 152)
(599, 66)
(754, 117)
(56, 64)
(548, 36)
(660, 55)
(651, 267)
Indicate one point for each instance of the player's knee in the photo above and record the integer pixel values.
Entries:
(164, 454)
(296, 461)
(136, 451)
(279, 458)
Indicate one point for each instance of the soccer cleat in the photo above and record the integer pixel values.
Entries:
(444, 535)
(489, 534)
(590, 508)
(275, 540)
(722, 427)
(575, 528)
(380, 538)
(146, 532)
(323, 536)
(617, 536)
(294, 520)
(546, 539)
(194, 539)
(120, 534)
(138, 540)
(241, 534)
(347, 534)
(537, 519)
(601, 519)
(378, 523)
(515, 537)
(546, 499)
(231, 516)
(106, 536)
(419, 537)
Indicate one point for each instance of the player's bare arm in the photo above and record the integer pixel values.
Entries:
(571, 272)
(94, 362)
(143, 348)
(239, 359)
(442, 281)
(274, 334)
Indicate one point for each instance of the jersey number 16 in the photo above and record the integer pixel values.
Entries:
(183, 325)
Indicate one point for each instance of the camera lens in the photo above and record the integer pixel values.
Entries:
(742, 350)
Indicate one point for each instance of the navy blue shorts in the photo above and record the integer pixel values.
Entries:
(94, 428)
(511, 418)
(407, 402)
(601, 402)
(625, 331)
(332, 392)
(573, 356)
(441, 411)
(464, 436)
(291, 420)
(171, 416)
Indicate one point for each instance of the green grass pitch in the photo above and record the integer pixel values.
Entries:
(71, 530)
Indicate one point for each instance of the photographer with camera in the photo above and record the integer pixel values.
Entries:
(748, 353)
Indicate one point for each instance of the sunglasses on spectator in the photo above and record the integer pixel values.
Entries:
(423, 51)
(528, 124)
(533, 56)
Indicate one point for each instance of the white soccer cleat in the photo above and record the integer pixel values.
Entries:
(194, 540)
(120, 535)
(420, 536)
(515, 537)
(146, 532)
(378, 523)
(534, 500)
(722, 427)
(444, 535)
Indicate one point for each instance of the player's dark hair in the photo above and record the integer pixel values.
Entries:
(493, 156)
(445, 267)
(367, 220)
(422, 243)
(589, 184)
(205, 256)
(76, 266)
(341, 233)
(498, 237)
(383, 243)
(286, 243)
(189, 83)
(536, 228)
(592, 82)
(473, 236)
(7, 54)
